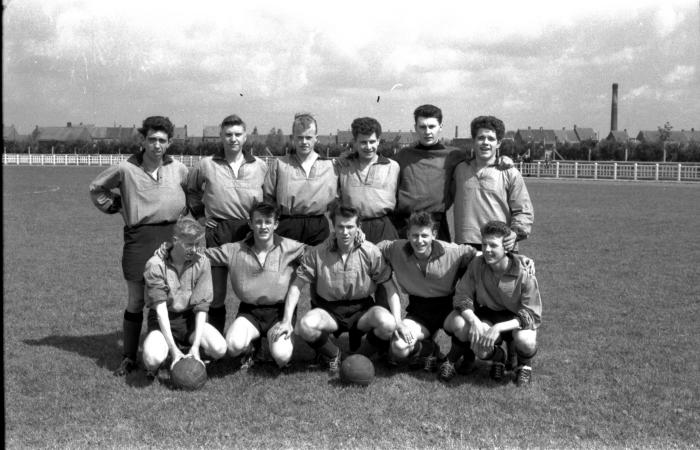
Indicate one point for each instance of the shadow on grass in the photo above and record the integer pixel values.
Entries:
(104, 349)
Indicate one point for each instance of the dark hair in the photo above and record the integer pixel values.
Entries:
(265, 209)
(157, 123)
(422, 219)
(428, 111)
(366, 126)
(304, 120)
(345, 211)
(490, 123)
(232, 120)
(495, 228)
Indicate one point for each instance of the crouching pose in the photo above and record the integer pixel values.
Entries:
(427, 270)
(346, 273)
(497, 300)
(178, 293)
(261, 268)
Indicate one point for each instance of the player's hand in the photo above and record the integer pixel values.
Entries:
(194, 353)
(509, 241)
(360, 237)
(211, 223)
(403, 332)
(177, 356)
(488, 339)
(505, 162)
(164, 250)
(476, 329)
(281, 330)
(528, 264)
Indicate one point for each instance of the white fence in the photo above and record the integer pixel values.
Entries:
(559, 169)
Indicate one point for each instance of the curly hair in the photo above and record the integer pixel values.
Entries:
(495, 228)
(365, 126)
(490, 123)
(187, 227)
(157, 123)
(265, 209)
(428, 111)
(422, 219)
(338, 209)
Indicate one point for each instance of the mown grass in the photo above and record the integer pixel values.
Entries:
(618, 362)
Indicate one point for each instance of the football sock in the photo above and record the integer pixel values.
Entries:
(458, 349)
(325, 346)
(373, 344)
(427, 347)
(132, 333)
(217, 318)
(498, 354)
(524, 360)
(354, 338)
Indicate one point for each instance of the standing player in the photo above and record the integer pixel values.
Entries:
(483, 192)
(427, 270)
(495, 301)
(261, 268)
(151, 198)
(222, 188)
(179, 293)
(426, 169)
(346, 274)
(303, 184)
(368, 181)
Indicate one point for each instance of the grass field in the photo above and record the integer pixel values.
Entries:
(618, 362)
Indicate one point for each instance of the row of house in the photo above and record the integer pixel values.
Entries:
(538, 137)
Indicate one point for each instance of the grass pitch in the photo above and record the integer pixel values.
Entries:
(618, 361)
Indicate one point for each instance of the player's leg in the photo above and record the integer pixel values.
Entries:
(155, 351)
(131, 326)
(402, 349)
(379, 325)
(458, 329)
(315, 328)
(525, 343)
(217, 310)
(213, 343)
(240, 335)
(282, 349)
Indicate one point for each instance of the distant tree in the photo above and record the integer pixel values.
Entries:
(664, 135)
(255, 131)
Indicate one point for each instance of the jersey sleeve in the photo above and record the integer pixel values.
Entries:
(221, 256)
(307, 267)
(380, 270)
(530, 310)
(521, 210)
(157, 290)
(194, 190)
(203, 292)
(465, 291)
(101, 190)
(270, 183)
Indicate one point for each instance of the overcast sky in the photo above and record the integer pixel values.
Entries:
(531, 63)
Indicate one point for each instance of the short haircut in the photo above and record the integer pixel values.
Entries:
(490, 123)
(304, 121)
(232, 120)
(157, 123)
(366, 126)
(344, 211)
(187, 227)
(422, 219)
(428, 111)
(265, 209)
(495, 228)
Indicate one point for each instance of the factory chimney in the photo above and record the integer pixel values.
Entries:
(613, 112)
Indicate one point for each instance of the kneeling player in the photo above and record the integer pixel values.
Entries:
(427, 270)
(496, 301)
(261, 268)
(178, 293)
(346, 274)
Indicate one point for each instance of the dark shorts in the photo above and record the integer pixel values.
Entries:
(140, 242)
(262, 317)
(181, 324)
(379, 229)
(227, 230)
(401, 224)
(429, 312)
(311, 230)
(489, 315)
(346, 313)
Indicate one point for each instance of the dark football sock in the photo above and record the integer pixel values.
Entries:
(217, 318)
(427, 347)
(457, 350)
(373, 344)
(325, 346)
(132, 333)
(498, 354)
(525, 360)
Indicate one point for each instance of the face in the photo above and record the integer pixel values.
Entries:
(345, 231)
(263, 226)
(428, 129)
(421, 239)
(367, 146)
(157, 142)
(304, 140)
(233, 137)
(186, 247)
(492, 248)
(486, 145)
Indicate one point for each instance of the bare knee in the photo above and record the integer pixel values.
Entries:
(525, 341)
(155, 350)
(400, 348)
(308, 328)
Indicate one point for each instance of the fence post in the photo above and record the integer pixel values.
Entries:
(614, 171)
(595, 170)
(656, 174)
(576, 169)
(635, 171)
(557, 171)
(679, 171)
(538, 169)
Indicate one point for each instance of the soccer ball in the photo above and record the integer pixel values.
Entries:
(357, 369)
(189, 373)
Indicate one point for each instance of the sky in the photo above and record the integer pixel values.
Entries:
(531, 63)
